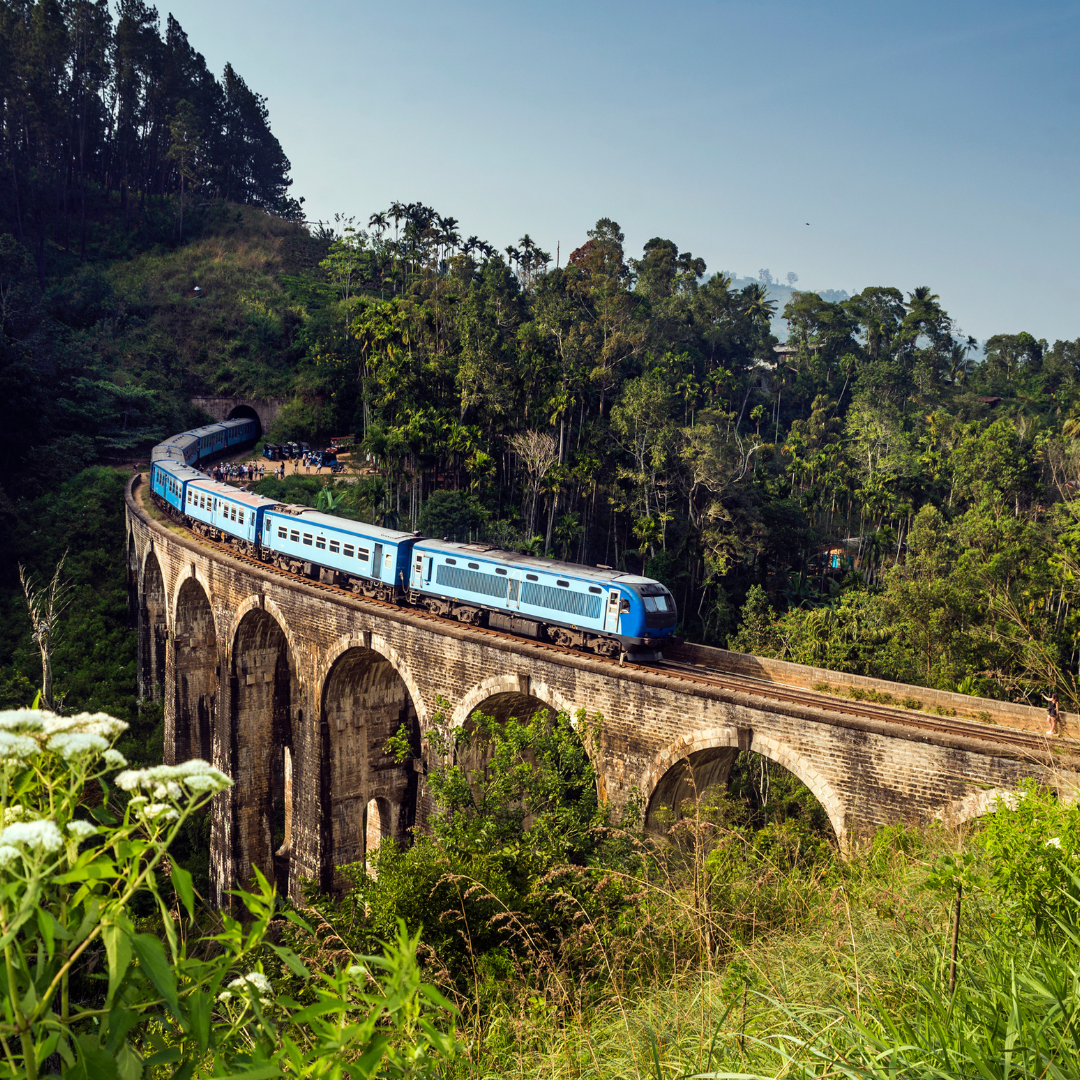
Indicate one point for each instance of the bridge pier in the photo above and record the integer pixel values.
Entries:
(294, 690)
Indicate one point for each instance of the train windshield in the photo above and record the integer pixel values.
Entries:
(656, 598)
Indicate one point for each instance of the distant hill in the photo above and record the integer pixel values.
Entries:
(782, 294)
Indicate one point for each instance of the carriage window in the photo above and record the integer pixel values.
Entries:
(661, 603)
(348, 551)
(307, 539)
(499, 570)
(282, 534)
(234, 513)
(474, 566)
(593, 588)
(531, 577)
(294, 536)
(335, 547)
(564, 584)
(241, 517)
(362, 554)
(650, 603)
(320, 542)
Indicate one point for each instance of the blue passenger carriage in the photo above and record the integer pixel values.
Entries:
(167, 480)
(223, 512)
(366, 558)
(600, 609)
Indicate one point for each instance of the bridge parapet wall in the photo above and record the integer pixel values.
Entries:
(1026, 717)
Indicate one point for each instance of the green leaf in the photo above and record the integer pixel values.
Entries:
(93, 1063)
(292, 961)
(118, 953)
(45, 925)
(152, 960)
(129, 1065)
(181, 880)
(164, 1057)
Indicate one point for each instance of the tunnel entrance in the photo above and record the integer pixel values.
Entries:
(370, 796)
(246, 412)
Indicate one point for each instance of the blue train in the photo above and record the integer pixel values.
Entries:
(592, 608)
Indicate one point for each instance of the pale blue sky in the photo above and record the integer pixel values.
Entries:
(926, 143)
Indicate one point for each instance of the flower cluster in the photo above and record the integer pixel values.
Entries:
(29, 837)
(171, 781)
(253, 981)
(24, 733)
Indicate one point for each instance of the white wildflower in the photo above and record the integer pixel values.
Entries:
(84, 724)
(114, 759)
(203, 783)
(1054, 841)
(80, 830)
(17, 747)
(159, 811)
(22, 720)
(168, 781)
(254, 980)
(43, 835)
(224, 996)
(8, 854)
(138, 801)
(76, 744)
(15, 813)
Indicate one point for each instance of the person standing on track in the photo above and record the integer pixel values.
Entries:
(1051, 712)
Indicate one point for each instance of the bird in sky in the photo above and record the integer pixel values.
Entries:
(808, 223)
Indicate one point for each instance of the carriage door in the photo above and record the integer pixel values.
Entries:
(421, 571)
(513, 595)
(611, 619)
(376, 563)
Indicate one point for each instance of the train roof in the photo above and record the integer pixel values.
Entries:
(206, 429)
(550, 566)
(332, 521)
(178, 469)
(227, 491)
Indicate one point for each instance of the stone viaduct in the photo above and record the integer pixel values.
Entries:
(293, 689)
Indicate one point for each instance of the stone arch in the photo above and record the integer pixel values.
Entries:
(264, 690)
(153, 628)
(132, 579)
(502, 694)
(364, 701)
(377, 643)
(693, 764)
(245, 412)
(195, 673)
(262, 602)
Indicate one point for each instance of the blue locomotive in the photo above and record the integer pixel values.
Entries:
(592, 608)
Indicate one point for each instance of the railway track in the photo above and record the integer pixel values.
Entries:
(673, 669)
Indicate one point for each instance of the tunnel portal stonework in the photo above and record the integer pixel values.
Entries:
(292, 690)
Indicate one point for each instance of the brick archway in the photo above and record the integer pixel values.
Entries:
(364, 702)
(708, 763)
